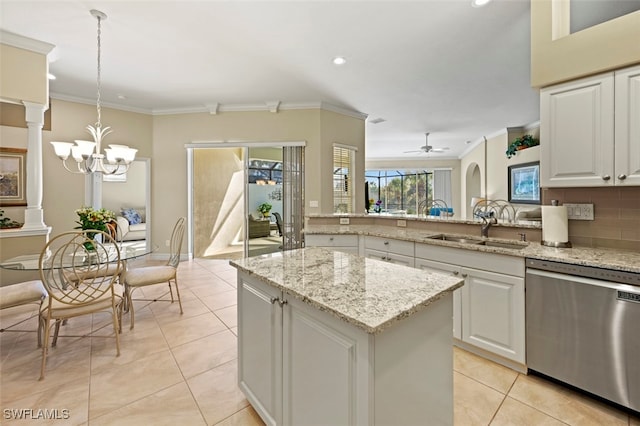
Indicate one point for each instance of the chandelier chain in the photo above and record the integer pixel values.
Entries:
(99, 122)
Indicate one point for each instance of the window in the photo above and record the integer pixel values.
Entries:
(399, 190)
(343, 165)
(264, 171)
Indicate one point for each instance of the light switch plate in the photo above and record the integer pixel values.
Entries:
(344, 221)
(579, 211)
(313, 203)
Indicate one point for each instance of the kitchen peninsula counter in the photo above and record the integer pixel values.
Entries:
(327, 337)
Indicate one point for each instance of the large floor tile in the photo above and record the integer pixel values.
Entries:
(206, 353)
(221, 300)
(515, 413)
(217, 394)
(245, 417)
(474, 403)
(171, 406)
(564, 404)
(67, 403)
(228, 315)
(189, 329)
(116, 387)
(491, 374)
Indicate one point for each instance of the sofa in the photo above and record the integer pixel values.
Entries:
(259, 227)
(132, 224)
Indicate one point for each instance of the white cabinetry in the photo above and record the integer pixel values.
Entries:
(589, 131)
(300, 366)
(344, 243)
(389, 250)
(490, 307)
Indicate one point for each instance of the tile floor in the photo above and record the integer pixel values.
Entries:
(181, 370)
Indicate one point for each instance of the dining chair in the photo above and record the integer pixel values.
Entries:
(278, 222)
(20, 294)
(144, 276)
(80, 272)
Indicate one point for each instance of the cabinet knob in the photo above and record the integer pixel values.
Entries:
(282, 302)
(606, 177)
(386, 243)
(273, 300)
(455, 272)
(622, 176)
(464, 275)
(330, 238)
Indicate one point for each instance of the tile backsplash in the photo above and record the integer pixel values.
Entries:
(616, 221)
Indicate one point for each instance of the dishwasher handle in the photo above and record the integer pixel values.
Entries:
(583, 280)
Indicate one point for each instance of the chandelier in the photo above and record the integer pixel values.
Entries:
(87, 155)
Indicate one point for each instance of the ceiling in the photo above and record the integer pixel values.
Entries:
(438, 66)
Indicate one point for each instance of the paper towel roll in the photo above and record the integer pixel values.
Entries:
(555, 226)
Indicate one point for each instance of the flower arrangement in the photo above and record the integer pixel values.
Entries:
(378, 206)
(94, 219)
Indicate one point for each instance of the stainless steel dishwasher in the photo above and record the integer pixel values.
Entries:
(583, 328)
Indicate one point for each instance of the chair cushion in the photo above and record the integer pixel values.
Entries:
(138, 227)
(22, 293)
(62, 310)
(132, 216)
(148, 275)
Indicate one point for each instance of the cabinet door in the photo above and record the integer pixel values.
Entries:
(493, 313)
(260, 348)
(324, 382)
(577, 133)
(627, 150)
(457, 294)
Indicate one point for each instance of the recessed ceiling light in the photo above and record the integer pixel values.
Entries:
(479, 3)
(51, 76)
(121, 96)
(339, 60)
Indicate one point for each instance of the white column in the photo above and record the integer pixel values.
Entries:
(93, 190)
(33, 215)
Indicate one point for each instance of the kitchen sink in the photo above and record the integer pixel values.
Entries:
(478, 241)
(498, 244)
(455, 239)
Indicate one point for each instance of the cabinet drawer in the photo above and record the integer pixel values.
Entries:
(503, 264)
(389, 245)
(324, 240)
(397, 259)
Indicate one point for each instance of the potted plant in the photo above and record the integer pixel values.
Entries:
(522, 142)
(265, 208)
(6, 223)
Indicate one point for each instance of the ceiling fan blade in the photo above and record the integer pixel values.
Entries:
(410, 152)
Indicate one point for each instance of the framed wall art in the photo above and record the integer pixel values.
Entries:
(12, 177)
(524, 183)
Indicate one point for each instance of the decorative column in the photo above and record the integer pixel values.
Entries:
(33, 215)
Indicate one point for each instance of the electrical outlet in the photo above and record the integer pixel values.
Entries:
(579, 211)
(313, 203)
(167, 242)
(402, 223)
(344, 221)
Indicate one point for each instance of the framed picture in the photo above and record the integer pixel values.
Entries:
(12, 177)
(524, 183)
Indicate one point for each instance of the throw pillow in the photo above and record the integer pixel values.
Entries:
(132, 216)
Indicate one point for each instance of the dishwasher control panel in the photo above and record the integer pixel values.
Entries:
(611, 275)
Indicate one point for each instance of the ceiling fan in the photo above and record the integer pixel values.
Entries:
(426, 148)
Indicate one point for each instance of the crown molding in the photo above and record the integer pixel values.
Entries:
(63, 97)
(26, 43)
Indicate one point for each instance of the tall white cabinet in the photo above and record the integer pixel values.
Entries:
(590, 131)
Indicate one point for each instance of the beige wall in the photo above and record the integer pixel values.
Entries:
(558, 56)
(131, 193)
(344, 130)
(23, 75)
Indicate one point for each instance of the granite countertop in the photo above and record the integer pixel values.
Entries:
(367, 293)
(621, 260)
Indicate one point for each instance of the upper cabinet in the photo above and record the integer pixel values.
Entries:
(590, 131)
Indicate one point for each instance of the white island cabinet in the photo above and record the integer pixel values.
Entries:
(331, 338)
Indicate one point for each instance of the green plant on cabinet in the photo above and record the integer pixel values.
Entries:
(522, 142)
(265, 208)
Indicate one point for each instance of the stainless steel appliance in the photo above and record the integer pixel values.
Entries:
(583, 328)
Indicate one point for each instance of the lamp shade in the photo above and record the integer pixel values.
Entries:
(62, 149)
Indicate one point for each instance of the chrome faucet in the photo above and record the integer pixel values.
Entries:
(486, 224)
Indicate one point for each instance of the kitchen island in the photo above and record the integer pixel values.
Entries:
(333, 338)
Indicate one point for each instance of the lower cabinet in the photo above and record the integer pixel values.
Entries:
(389, 250)
(300, 366)
(488, 310)
(343, 243)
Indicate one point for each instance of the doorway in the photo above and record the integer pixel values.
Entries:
(227, 186)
